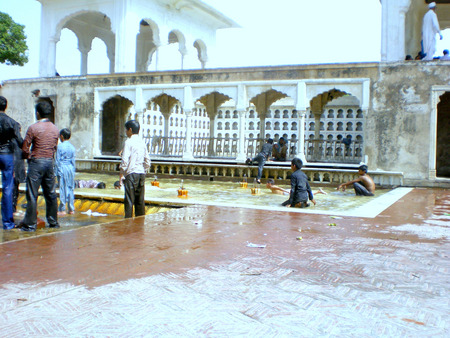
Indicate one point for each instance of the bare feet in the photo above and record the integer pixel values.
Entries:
(71, 212)
(61, 213)
(321, 191)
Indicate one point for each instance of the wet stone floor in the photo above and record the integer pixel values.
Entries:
(210, 271)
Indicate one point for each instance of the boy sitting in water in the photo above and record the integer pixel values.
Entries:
(363, 185)
(300, 189)
(278, 190)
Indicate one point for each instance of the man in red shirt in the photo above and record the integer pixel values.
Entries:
(42, 137)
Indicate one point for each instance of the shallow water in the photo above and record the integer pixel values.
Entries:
(230, 193)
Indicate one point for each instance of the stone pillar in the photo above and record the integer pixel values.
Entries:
(47, 45)
(301, 137)
(96, 150)
(301, 104)
(126, 29)
(393, 29)
(112, 61)
(242, 156)
(187, 152)
(48, 58)
(187, 108)
(84, 60)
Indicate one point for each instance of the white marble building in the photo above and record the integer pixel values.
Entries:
(139, 35)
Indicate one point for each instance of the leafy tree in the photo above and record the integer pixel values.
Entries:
(13, 47)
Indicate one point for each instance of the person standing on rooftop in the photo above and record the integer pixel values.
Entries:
(430, 28)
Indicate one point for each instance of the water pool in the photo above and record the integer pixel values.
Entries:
(231, 194)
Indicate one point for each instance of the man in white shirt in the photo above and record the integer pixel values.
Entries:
(134, 165)
(430, 28)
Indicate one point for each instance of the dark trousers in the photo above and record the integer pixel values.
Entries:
(361, 190)
(7, 168)
(134, 195)
(15, 193)
(261, 160)
(40, 173)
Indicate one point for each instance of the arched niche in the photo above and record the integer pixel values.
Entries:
(170, 55)
(147, 42)
(443, 136)
(88, 25)
(114, 115)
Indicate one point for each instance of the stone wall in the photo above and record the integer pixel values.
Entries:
(398, 126)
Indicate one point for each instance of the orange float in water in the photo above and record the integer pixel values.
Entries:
(256, 191)
(182, 193)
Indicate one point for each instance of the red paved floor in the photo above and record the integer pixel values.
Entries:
(189, 272)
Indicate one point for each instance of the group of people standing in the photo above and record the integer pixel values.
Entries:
(38, 147)
(48, 160)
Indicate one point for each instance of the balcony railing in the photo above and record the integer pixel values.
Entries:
(165, 146)
(333, 151)
(227, 148)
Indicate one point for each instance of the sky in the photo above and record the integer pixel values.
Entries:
(280, 32)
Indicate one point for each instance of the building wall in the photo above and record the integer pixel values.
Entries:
(397, 127)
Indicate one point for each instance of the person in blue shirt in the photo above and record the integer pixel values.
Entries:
(65, 171)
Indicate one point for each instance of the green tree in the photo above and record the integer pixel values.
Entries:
(13, 47)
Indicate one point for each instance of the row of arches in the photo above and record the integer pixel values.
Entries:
(211, 118)
(89, 35)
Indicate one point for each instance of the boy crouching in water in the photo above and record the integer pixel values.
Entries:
(134, 165)
(363, 185)
(300, 189)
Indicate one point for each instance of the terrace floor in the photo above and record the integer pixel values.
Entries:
(206, 270)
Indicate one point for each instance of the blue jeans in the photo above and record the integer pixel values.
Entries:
(7, 168)
(66, 186)
(40, 172)
(261, 160)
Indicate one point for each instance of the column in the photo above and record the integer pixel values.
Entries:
(126, 29)
(187, 152)
(301, 137)
(393, 29)
(47, 44)
(242, 156)
(301, 105)
(84, 60)
(187, 108)
(241, 107)
(48, 58)
(112, 61)
(96, 126)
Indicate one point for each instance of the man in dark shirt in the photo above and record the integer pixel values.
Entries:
(9, 134)
(261, 158)
(42, 136)
(300, 189)
(280, 150)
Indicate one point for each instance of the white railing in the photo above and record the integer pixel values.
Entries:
(227, 148)
(333, 151)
